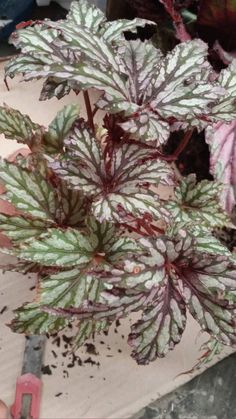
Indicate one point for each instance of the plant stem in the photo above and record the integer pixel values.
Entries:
(184, 142)
(88, 109)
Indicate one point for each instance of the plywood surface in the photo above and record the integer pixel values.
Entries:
(107, 384)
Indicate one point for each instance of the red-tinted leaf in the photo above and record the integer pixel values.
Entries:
(222, 142)
(161, 326)
(217, 13)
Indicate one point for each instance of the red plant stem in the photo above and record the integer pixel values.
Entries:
(146, 227)
(181, 32)
(129, 227)
(95, 110)
(88, 109)
(158, 229)
(184, 142)
(6, 83)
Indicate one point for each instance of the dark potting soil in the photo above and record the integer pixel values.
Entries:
(66, 358)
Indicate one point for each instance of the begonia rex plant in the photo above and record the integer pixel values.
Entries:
(92, 218)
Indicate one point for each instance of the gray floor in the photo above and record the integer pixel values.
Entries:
(211, 395)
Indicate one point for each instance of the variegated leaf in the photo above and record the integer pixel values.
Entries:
(125, 185)
(87, 329)
(198, 202)
(58, 248)
(113, 307)
(61, 57)
(150, 269)
(98, 245)
(53, 87)
(146, 125)
(209, 244)
(204, 241)
(209, 289)
(225, 109)
(221, 139)
(113, 206)
(30, 319)
(72, 207)
(160, 327)
(70, 288)
(84, 14)
(60, 128)
(112, 31)
(16, 126)
(178, 89)
(94, 47)
(110, 245)
(20, 228)
(28, 191)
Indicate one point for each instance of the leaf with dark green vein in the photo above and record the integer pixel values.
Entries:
(176, 88)
(59, 248)
(84, 14)
(112, 31)
(113, 307)
(53, 87)
(20, 228)
(72, 248)
(36, 39)
(204, 241)
(111, 244)
(122, 187)
(147, 126)
(30, 319)
(225, 109)
(87, 329)
(150, 269)
(71, 288)
(198, 202)
(60, 128)
(208, 288)
(28, 191)
(115, 206)
(161, 326)
(72, 208)
(94, 48)
(16, 126)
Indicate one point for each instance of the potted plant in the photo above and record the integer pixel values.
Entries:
(90, 218)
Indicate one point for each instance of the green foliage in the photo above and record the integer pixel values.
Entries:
(90, 219)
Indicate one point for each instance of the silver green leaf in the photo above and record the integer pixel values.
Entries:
(112, 31)
(70, 288)
(87, 329)
(30, 319)
(110, 245)
(21, 228)
(125, 186)
(224, 109)
(209, 289)
(16, 126)
(28, 191)
(72, 206)
(84, 14)
(160, 327)
(59, 128)
(53, 87)
(198, 202)
(151, 268)
(147, 126)
(58, 248)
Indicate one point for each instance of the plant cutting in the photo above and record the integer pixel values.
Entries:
(89, 217)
